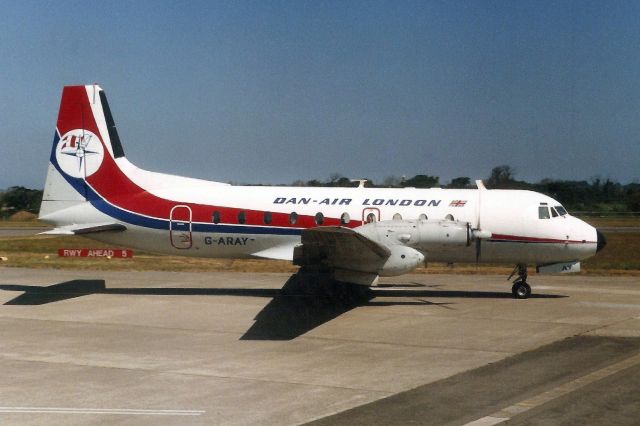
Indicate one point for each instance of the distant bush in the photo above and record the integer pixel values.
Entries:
(19, 198)
(23, 216)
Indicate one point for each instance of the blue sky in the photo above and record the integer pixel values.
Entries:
(271, 92)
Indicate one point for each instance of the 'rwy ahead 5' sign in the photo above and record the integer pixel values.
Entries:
(84, 252)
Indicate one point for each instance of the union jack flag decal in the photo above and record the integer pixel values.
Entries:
(457, 203)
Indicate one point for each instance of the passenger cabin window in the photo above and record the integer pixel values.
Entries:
(345, 219)
(561, 211)
(449, 217)
(242, 217)
(422, 216)
(267, 218)
(543, 212)
(397, 216)
(319, 218)
(215, 217)
(293, 218)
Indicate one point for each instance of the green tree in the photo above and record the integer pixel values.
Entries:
(422, 181)
(19, 198)
(344, 182)
(460, 182)
(392, 182)
(501, 177)
(633, 199)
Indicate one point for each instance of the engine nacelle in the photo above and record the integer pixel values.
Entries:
(445, 232)
(403, 259)
(419, 234)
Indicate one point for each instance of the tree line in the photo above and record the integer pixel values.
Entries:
(596, 194)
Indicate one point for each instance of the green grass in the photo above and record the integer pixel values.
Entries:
(614, 222)
(622, 254)
(41, 251)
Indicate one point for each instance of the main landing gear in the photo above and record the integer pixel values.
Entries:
(520, 289)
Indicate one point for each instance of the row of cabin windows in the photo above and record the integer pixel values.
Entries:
(267, 218)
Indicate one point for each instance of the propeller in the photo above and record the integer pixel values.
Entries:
(478, 233)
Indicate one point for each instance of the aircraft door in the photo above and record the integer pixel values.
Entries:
(180, 227)
(370, 215)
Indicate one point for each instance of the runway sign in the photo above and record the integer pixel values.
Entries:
(85, 252)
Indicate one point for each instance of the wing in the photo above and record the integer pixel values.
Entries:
(350, 254)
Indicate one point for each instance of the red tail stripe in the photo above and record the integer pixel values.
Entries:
(114, 186)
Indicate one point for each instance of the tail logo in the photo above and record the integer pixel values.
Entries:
(79, 153)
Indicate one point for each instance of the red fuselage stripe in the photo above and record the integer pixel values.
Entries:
(521, 239)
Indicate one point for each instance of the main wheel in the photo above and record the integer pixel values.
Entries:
(521, 290)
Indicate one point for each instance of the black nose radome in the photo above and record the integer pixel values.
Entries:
(602, 241)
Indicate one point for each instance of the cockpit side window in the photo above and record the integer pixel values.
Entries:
(554, 213)
(543, 212)
(561, 211)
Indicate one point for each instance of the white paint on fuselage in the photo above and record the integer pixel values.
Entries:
(502, 212)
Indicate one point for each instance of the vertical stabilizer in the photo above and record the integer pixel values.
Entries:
(85, 139)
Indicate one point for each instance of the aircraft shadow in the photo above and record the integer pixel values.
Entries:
(305, 302)
(459, 294)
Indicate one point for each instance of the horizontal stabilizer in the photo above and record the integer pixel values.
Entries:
(86, 228)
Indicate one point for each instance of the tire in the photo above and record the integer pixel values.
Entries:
(521, 290)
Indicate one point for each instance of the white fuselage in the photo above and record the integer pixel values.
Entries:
(511, 216)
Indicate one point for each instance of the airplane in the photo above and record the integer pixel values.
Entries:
(354, 234)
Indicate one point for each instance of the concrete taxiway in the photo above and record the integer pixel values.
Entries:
(82, 347)
(22, 231)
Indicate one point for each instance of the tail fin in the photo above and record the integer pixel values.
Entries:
(85, 139)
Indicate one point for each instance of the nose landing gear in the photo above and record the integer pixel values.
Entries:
(520, 289)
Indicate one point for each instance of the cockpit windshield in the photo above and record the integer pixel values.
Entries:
(561, 211)
(543, 212)
(547, 212)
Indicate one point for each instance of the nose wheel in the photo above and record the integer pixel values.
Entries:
(520, 289)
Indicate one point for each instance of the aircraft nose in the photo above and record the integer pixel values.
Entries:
(602, 241)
